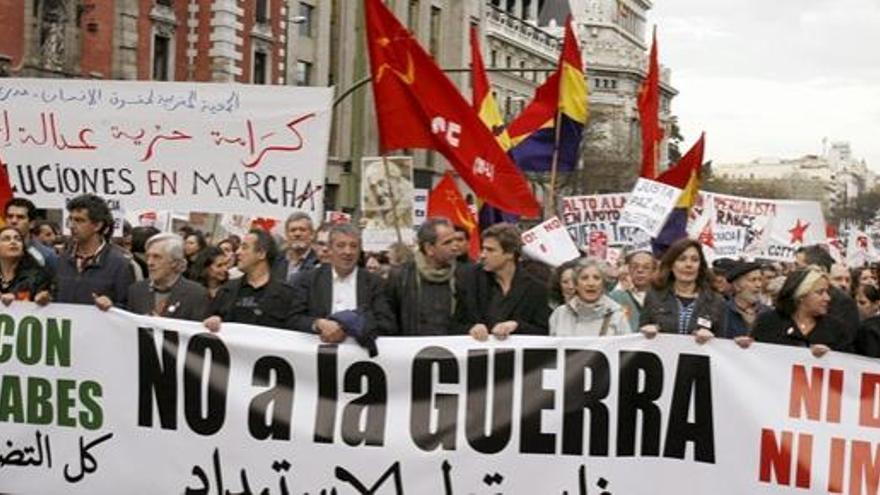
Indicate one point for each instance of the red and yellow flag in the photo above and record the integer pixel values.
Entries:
(417, 106)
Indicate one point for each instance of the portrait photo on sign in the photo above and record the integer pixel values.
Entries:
(387, 192)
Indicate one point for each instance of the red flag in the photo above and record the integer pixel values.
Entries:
(418, 107)
(649, 109)
(446, 201)
(5, 188)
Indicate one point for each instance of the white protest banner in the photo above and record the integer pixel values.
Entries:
(222, 148)
(107, 403)
(596, 212)
(549, 243)
(649, 205)
(386, 201)
(770, 228)
(860, 249)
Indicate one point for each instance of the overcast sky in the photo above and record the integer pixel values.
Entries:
(771, 78)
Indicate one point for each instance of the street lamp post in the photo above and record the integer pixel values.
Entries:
(295, 20)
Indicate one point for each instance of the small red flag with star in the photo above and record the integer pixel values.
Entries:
(446, 201)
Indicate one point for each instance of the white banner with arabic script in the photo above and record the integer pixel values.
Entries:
(109, 403)
(220, 148)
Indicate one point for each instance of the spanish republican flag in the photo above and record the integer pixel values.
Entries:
(649, 118)
(446, 201)
(417, 106)
(684, 175)
(481, 94)
(560, 101)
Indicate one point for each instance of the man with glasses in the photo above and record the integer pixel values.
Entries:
(641, 266)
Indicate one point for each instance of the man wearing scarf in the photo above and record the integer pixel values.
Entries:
(422, 292)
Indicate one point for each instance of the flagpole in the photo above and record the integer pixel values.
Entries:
(393, 199)
(554, 165)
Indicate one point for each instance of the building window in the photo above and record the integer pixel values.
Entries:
(261, 67)
(166, 3)
(261, 14)
(412, 16)
(434, 41)
(303, 73)
(493, 58)
(307, 14)
(522, 65)
(161, 58)
(509, 61)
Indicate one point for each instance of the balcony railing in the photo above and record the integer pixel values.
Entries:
(522, 31)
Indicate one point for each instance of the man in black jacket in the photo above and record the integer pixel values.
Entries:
(323, 294)
(422, 292)
(498, 297)
(256, 298)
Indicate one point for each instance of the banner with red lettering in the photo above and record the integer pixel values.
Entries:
(222, 148)
(109, 403)
(730, 226)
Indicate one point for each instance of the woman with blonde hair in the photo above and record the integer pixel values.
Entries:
(801, 315)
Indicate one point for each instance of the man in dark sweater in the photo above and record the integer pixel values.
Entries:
(422, 292)
(93, 270)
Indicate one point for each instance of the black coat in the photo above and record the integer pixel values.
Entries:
(525, 303)
(774, 327)
(844, 309)
(313, 299)
(868, 337)
(275, 306)
(661, 308)
(30, 279)
(403, 297)
(186, 301)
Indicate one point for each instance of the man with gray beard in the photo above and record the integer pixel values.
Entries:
(746, 281)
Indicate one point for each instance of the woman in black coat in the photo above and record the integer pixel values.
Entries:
(681, 300)
(801, 315)
(21, 277)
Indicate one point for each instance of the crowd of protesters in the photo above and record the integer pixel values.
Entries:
(318, 280)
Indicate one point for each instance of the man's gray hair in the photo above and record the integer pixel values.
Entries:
(427, 233)
(172, 244)
(591, 262)
(344, 229)
(296, 217)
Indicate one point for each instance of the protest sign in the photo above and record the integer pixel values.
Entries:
(335, 217)
(386, 201)
(598, 244)
(649, 205)
(860, 249)
(109, 402)
(219, 148)
(759, 228)
(596, 212)
(158, 219)
(549, 243)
